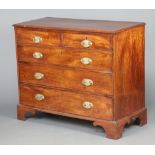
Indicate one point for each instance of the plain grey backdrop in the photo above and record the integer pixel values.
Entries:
(55, 129)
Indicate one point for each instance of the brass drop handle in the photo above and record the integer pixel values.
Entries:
(37, 55)
(86, 43)
(39, 97)
(87, 105)
(87, 82)
(38, 76)
(86, 61)
(37, 39)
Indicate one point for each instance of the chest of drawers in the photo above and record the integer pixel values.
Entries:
(86, 69)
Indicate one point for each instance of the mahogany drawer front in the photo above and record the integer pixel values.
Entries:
(66, 78)
(67, 102)
(26, 36)
(97, 41)
(67, 57)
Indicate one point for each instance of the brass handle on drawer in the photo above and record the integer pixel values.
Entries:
(37, 55)
(87, 105)
(86, 61)
(86, 43)
(37, 39)
(87, 82)
(39, 97)
(38, 76)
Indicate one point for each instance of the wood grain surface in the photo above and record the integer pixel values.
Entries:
(66, 78)
(81, 25)
(98, 41)
(101, 60)
(67, 102)
(25, 36)
(129, 90)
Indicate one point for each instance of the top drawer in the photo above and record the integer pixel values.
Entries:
(87, 41)
(35, 37)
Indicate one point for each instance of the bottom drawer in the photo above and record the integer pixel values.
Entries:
(93, 106)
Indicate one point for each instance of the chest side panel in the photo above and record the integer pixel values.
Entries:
(128, 72)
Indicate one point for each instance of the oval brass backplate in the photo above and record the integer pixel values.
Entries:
(87, 105)
(86, 43)
(38, 76)
(86, 61)
(87, 82)
(37, 39)
(37, 55)
(39, 97)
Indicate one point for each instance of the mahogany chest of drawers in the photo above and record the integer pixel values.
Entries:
(86, 69)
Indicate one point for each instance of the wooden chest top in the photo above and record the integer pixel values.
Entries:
(104, 26)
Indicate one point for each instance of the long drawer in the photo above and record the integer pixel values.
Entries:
(75, 79)
(100, 60)
(67, 102)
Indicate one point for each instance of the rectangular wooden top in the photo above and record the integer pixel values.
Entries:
(103, 26)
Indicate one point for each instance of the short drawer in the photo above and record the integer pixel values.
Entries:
(75, 79)
(99, 60)
(26, 36)
(87, 41)
(67, 102)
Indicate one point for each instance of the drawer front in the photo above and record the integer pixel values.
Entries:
(72, 58)
(87, 41)
(67, 102)
(81, 80)
(26, 36)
